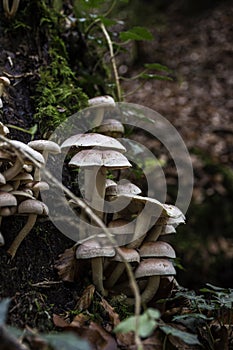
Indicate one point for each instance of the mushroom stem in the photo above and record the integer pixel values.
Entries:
(98, 194)
(10, 173)
(22, 234)
(97, 274)
(2, 242)
(154, 233)
(149, 291)
(115, 275)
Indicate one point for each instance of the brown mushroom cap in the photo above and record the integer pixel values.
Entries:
(130, 255)
(92, 249)
(7, 199)
(93, 157)
(154, 267)
(111, 127)
(6, 188)
(32, 206)
(45, 145)
(157, 249)
(93, 140)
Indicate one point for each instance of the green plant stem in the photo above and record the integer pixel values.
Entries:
(113, 61)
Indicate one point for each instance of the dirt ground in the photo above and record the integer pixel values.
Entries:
(198, 103)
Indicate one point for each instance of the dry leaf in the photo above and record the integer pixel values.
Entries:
(86, 299)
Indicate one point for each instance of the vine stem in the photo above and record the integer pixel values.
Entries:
(112, 57)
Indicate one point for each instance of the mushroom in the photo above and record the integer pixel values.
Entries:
(94, 251)
(99, 161)
(111, 127)
(130, 255)
(18, 165)
(4, 82)
(34, 208)
(154, 269)
(157, 249)
(2, 179)
(3, 129)
(7, 200)
(100, 103)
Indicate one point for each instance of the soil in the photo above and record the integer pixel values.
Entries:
(198, 103)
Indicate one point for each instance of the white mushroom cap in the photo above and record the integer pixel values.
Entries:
(7, 199)
(27, 150)
(92, 249)
(128, 188)
(154, 267)
(4, 129)
(157, 249)
(93, 140)
(25, 177)
(45, 145)
(107, 158)
(33, 206)
(5, 81)
(101, 100)
(2, 179)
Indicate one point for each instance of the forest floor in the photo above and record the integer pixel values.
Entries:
(199, 104)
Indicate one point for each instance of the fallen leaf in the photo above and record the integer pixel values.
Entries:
(86, 299)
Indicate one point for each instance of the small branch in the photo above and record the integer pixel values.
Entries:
(112, 57)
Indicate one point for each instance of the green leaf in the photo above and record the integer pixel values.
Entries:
(188, 338)
(157, 66)
(194, 315)
(136, 33)
(4, 304)
(146, 326)
(155, 76)
(66, 341)
(107, 21)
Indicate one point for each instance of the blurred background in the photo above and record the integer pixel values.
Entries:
(194, 40)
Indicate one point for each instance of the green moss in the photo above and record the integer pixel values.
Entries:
(58, 95)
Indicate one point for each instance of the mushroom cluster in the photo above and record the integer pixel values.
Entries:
(20, 182)
(138, 228)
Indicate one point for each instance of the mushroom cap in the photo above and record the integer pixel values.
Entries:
(5, 81)
(121, 226)
(3, 129)
(154, 267)
(94, 157)
(25, 177)
(45, 145)
(22, 194)
(2, 241)
(93, 140)
(92, 249)
(157, 249)
(33, 206)
(111, 127)
(7, 187)
(2, 179)
(27, 150)
(168, 229)
(128, 188)
(129, 254)
(40, 186)
(8, 211)
(7, 199)
(101, 100)
(5, 156)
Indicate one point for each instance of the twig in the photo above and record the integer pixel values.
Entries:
(112, 57)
